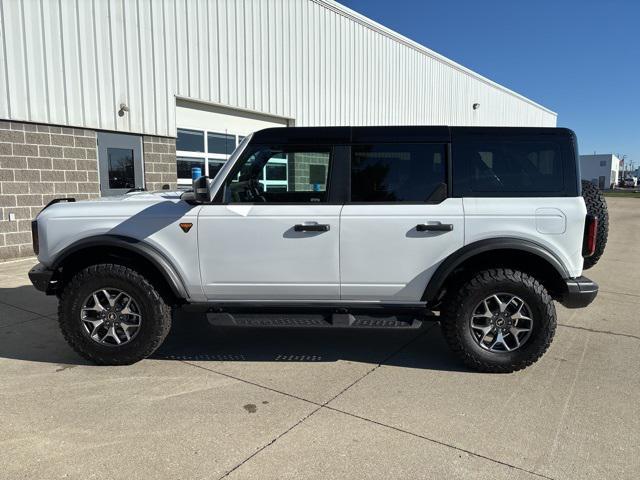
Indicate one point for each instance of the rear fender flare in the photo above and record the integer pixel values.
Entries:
(467, 252)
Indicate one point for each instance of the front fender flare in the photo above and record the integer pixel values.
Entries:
(146, 251)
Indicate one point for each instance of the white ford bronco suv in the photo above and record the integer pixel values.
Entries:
(480, 229)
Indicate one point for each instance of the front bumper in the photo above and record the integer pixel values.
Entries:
(579, 293)
(42, 278)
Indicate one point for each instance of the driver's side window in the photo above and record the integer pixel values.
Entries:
(269, 174)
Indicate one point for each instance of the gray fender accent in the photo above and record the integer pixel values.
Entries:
(468, 251)
(148, 252)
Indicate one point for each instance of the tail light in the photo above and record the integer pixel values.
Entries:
(34, 237)
(590, 234)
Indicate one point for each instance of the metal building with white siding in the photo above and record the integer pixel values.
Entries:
(152, 80)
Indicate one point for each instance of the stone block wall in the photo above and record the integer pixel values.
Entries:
(37, 164)
(160, 167)
(41, 162)
(300, 171)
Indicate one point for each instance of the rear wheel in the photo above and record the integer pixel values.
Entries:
(112, 315)
(500, 320)
(596, 206)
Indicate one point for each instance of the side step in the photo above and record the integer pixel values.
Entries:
(335, 320)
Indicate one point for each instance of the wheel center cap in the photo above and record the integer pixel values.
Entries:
(112, 316)
(500, 322)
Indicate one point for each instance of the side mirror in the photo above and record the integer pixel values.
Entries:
(201, 190)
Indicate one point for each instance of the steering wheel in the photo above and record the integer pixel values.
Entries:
(255, 191)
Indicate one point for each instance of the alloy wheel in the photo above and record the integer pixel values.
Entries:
(111, 317)
(501, 322)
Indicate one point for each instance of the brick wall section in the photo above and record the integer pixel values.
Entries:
(299, 175)
(37, 164)
(160, 167)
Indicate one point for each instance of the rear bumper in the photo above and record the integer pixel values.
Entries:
(42, 278)
(580, 292)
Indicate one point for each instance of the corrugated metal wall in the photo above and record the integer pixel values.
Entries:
(73, 62)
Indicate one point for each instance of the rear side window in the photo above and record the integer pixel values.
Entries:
(389, 173)
(508, 167)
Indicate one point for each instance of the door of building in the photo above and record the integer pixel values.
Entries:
(120, 163)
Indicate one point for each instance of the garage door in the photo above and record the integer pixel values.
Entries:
(208, 134)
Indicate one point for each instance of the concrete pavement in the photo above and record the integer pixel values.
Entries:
(329, 404)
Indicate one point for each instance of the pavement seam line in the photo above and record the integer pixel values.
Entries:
(325, 405)
(270, 443)
(251, 383)
(605, 332)
(621, 293)
(438, 442)
(20, 322)
(319, 406)
(382, 362)
(275, 390)
(23, 309)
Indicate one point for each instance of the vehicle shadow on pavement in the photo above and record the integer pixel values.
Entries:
(29, 332)
(194, 340)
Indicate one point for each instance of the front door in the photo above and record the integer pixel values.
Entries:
(119, 163)
(399, 224)
(275, 236)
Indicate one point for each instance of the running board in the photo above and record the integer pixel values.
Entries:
(317, 306)
(305, 320)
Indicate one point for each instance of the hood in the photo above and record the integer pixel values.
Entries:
(158, 196)
(160, 203)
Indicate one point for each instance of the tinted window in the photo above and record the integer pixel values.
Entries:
(214, 167)
(186, 164)
(397, 172)
(281, 175)
(190, 140)
(121, 170)
(276, 171)
(221, 143)
(508, 166)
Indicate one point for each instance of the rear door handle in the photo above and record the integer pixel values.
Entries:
(311, 227)
(434, 227)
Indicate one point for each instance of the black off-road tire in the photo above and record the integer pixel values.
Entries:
(458, 308)
(596, 206)
(156, 314)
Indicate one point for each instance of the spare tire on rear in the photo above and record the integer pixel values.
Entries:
(596, 206)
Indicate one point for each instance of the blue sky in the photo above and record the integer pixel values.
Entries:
(581, 59)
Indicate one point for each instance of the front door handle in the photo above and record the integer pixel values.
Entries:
(434, 227)
(311, 227)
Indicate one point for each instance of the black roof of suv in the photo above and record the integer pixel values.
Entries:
(406, 134)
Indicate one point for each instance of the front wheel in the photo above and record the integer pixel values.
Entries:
(500, 320)
(111, 315)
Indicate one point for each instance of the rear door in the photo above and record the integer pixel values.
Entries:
(399, 223)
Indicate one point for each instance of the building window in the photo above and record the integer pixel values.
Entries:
(603, 163)
(185, 164)
(221, 143)
(190, 140)
(207, 150)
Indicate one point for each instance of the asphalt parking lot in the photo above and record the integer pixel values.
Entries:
(327, 404)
